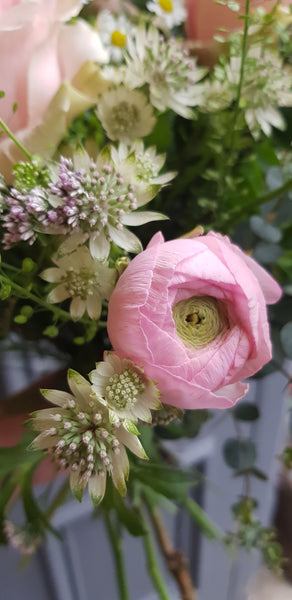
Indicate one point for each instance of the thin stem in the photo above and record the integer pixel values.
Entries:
(176, 562)
(18, 288)
(152, 563)
(117, 549)
(241, 76)
(13, 138)
(276, 192)
(58, 500)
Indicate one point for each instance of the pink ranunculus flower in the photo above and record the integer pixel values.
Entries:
(39, 50)
(192, 313)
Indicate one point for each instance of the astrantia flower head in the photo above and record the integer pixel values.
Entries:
(266, 85)
(216, 96)
(24, 538)
(142, 164)
(172, 75)
(125, 114)
(80, 437)
(126, 392)
(27, 212)
(171, 12)
(114, 31)
(95, 202)
(82, 278)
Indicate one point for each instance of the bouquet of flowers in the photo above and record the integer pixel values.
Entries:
(104, 111)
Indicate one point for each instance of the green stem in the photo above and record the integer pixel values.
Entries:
(58, 500)
(117, 549)
(286, 187)
(13, 138)
(226, 162)
(241, 76)
(152, 562)
(62, 314)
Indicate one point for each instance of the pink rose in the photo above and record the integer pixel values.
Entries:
(38, 51)
(192, 313)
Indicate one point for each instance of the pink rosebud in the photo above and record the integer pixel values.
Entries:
(192, 313)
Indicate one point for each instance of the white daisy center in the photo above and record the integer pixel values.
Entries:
(166, 5)
(118, 39)
(123, 390)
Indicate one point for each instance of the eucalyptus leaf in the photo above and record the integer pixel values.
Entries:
(286, 339)
(245, 411)
(239, 454)
(264, 230)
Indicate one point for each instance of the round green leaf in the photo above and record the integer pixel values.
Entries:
(286, 339)
(239, 454)
(264, 230)
(246, 411)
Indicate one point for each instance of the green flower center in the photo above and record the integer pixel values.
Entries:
(124, 117)
(80, 283)
(199, 320)
(122, 390)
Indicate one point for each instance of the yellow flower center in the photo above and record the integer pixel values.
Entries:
(118, 39)
(166, 5)
(199, 320)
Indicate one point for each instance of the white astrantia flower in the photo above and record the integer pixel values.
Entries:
(165, 65)
(24, 538)
(114, 31)
(172, 12)
(127, 393)
(266, 86)
(142, 164)
(80, 437)
(125, 114)
(83, 279)
(216, 96)
(95, 201)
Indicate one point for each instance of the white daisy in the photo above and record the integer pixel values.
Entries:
(80, 437)
(172, 12)
(172, 75)
(83, 279)
(114, 31)
(125, 114)
(127, 393)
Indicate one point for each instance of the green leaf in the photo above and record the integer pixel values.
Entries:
(28, 265)
(20, 319)
(286, 339)
(130, 517)
(27, 311)
(245, 411)
(168, 481)
(193, 421)
(51, 331)
(264, 230)
(209, 528)
(239, 454)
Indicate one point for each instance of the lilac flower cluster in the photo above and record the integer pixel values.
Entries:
(89, 200)
(28, 212)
